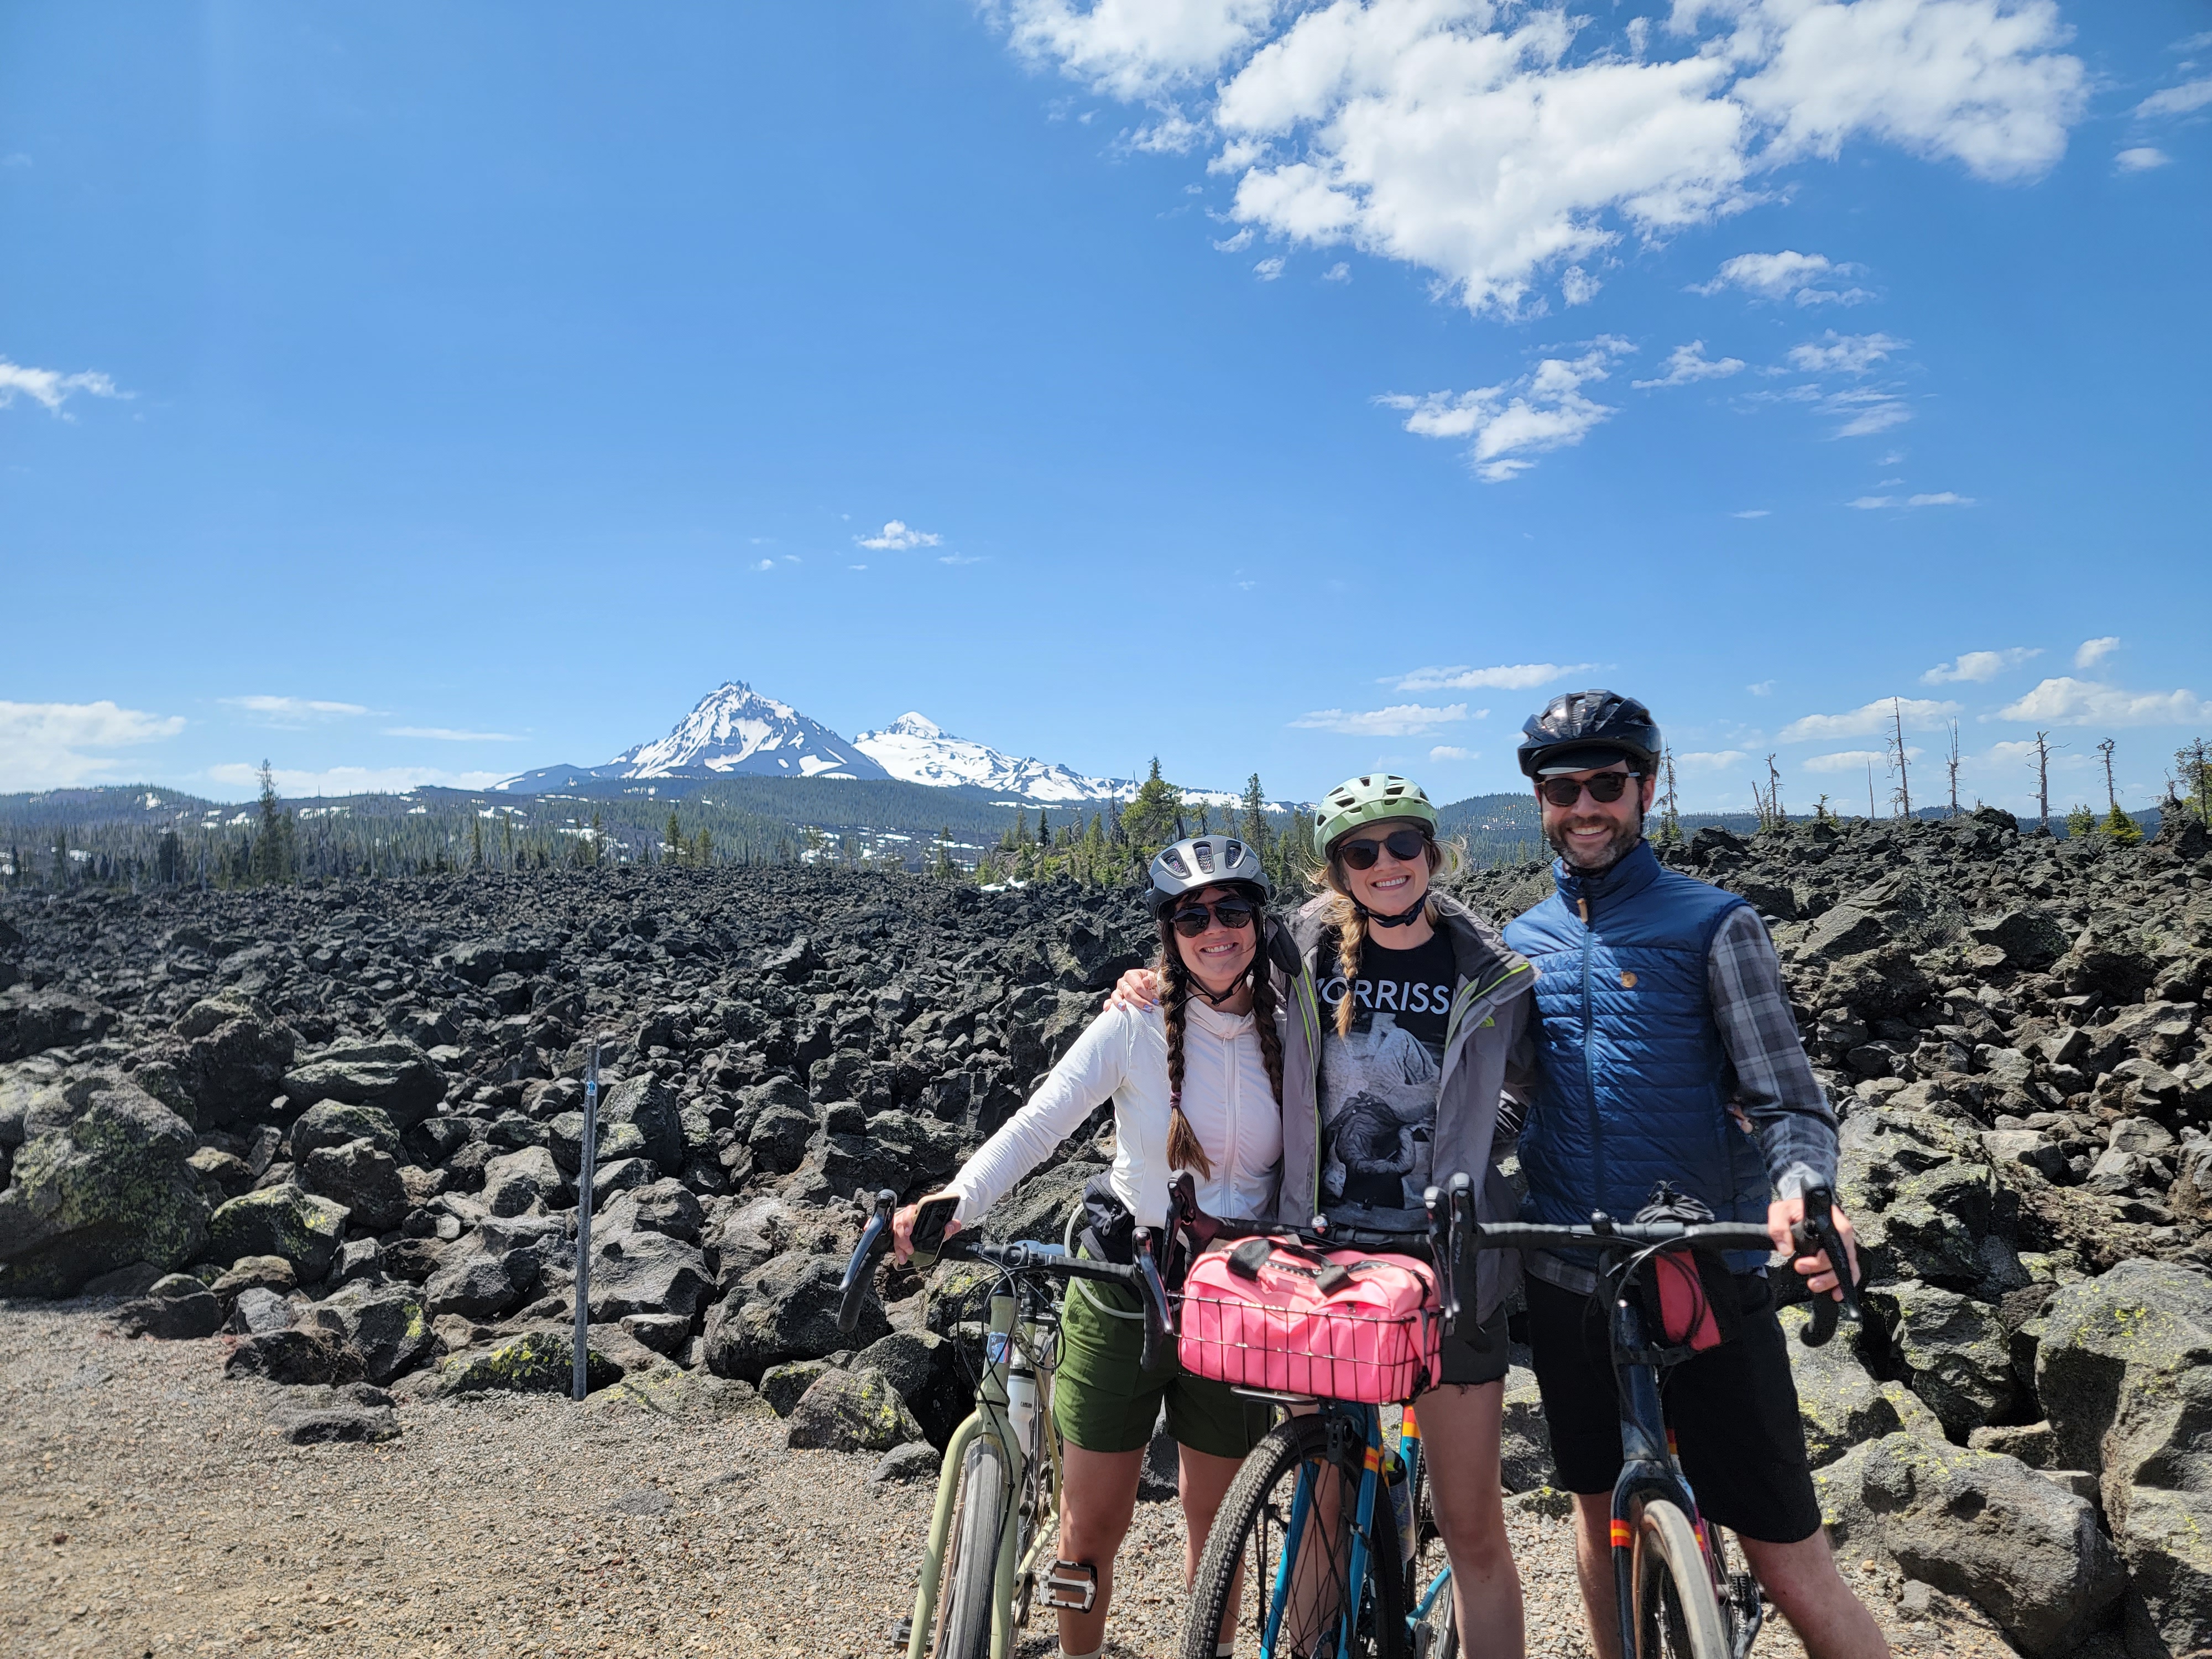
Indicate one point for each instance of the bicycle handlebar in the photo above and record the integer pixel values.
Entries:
(1020, 1257)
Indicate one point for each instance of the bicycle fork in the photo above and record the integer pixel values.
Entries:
(990, 1418)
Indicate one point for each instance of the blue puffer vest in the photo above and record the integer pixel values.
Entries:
(1635, 1083)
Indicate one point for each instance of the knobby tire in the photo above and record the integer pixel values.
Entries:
(1677, 1615)
(971, 1566)
(1256, 1510)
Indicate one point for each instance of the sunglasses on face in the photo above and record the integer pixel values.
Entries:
(1404, 845)
(1605, 788)
(1232, 914)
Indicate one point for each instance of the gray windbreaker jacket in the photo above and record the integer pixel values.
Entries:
(1490, 1010)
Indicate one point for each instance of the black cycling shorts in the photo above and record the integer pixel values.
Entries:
(1733, 1409)
(1482, 1355)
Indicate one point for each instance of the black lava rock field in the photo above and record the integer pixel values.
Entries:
(338, 1129)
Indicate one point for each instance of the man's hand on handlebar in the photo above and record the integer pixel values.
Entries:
(1139, 988)
(903, 1228)
(1783, 1215)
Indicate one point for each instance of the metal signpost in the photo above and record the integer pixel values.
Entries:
(584, 1213)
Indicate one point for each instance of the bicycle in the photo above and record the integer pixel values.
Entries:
(1331, 1459)
(1674, 1591)
(999, 1485)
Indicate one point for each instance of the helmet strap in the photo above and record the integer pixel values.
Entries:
(1403, 918)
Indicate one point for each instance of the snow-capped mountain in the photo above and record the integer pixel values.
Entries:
(916, 749)
(735, 729)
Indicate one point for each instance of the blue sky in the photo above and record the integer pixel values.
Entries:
(424, 393)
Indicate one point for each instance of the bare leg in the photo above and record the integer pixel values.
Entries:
(1205, 1482)
(1459, 1431)
(1098, 1496)
(1594, 1570)
(1802, 1580)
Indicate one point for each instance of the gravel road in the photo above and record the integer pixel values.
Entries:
(148, 1507)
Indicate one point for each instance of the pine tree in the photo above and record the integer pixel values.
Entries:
(2193, 760)
(2080, 822)
(1253, 828)
(672, 839)
(1044, 831)
(475, 843)
(61, 858)
(2121, 827)
(1149, 820)
(272, 849)
(703, 847)
(597, 831)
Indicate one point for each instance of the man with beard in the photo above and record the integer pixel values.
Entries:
(1664, 1049)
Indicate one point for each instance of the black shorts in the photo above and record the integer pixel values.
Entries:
(1734, 1412)
(1482, 1356)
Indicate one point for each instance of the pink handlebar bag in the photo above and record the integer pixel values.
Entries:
(1274, 1315)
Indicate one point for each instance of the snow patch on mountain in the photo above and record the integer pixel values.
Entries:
(734, 729)
(916, 749)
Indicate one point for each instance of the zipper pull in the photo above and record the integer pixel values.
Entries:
(1584, 905)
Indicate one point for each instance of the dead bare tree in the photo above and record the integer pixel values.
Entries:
(1774, 794)
(1869, 788)
(1901, 797)
(1954, 764)
(2111, 795)
(2042, 748)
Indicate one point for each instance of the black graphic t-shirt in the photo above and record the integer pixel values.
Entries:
(1378, 1087)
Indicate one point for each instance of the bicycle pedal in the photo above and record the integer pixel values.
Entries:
(902, 1632)
(1072, 1586)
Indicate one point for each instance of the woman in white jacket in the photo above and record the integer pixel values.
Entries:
(1197, 1086)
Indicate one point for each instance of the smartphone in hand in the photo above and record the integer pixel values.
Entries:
(931, 1218)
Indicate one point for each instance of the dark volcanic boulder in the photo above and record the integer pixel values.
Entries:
(651, 1105)
(515, 1180)
(333, 1123)
(779, 1138)
(235, 1054)
(111, 1188)
(492, 1271)
(646, 1272)
(32, 1022)
(392, 1074)
(363, 1177)
(536, 1362)
(175, 1307)
(280, 1220)
(385, 1324)
(785, 1310)
(306, 1353)
(2030, 938)
(851, 1411)
(662, 1207)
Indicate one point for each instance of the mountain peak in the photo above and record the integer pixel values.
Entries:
(912, 724)
(733, 728)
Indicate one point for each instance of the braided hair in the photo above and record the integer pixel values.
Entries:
(1184, 1150)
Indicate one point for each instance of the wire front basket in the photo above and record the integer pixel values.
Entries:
(1265, 1336)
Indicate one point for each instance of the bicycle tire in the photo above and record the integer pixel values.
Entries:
(1257, 1505)
(1435, 1636)
(1677, 1615)
(967, 1596)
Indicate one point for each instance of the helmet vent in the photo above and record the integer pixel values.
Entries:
(1173, 860)
(1233, 853)
(1203, 852)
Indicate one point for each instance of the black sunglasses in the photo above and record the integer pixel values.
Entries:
(1232, 914)
(1606, 786)
(1405, 845)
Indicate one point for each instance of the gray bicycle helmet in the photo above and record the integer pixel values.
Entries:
(1582, 731)
(1202, 861)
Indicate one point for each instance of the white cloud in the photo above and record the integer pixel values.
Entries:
(1854, 760)
(2066, 700)
(1134, 48)
(1689, 362)
(1865, 411)
(292, 712)
(50, 389)
(1173, 134)
(1753, 513)
(1785, 276)
(1577, 287)
(1543, 410)
(1867, 503)
(351, 780)
(1762, 688)
(2090, 653)
(765, 564)
(1235, 244)
(2178, 100)
(2141, 159)
(1921, 713)
(960, 558)
(1404, 719)
(1941, 498)
(1710, 760)
(1445, 751)
(1844, 353)
(43, 744)
(1980, 667)
(1489, 143)
(1339, 272)
(447, 734)
(1512, 677)
(897, 536)
(1267, 269)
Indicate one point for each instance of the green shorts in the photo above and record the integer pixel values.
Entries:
(1103, 1402)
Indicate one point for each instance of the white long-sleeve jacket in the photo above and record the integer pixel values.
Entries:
(1124, 1055)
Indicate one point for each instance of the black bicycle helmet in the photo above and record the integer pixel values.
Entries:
(1582, 731)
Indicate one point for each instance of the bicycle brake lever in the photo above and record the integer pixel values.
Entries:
(1461, 1235)
(854, 1285)
(1154, 1295)
(1817, 1233)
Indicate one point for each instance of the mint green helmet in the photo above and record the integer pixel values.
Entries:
(1370, 799)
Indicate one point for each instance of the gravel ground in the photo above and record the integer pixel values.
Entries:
(148, 1507)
